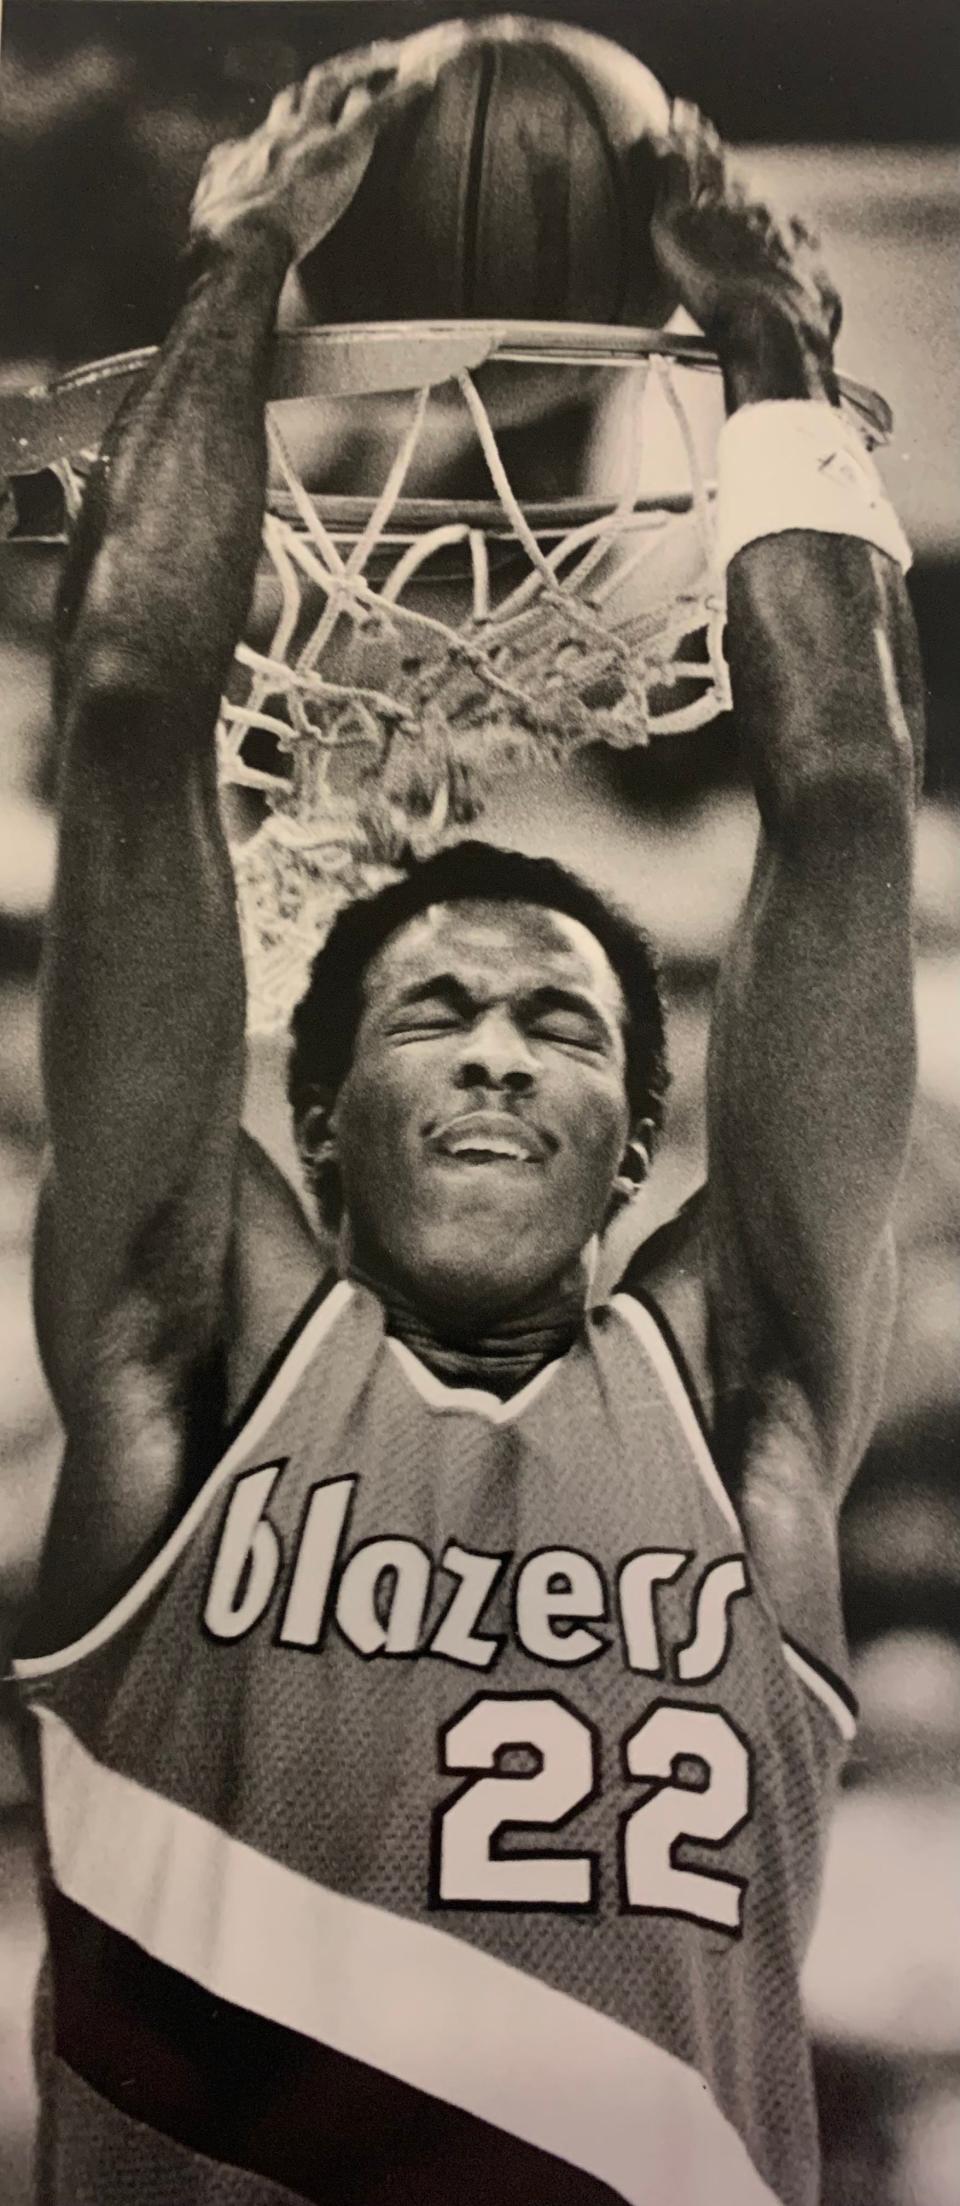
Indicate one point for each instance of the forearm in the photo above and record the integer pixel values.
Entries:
(821, 639)
(162, 566)
(826, 681)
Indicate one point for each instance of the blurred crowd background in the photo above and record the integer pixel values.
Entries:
(850, 114)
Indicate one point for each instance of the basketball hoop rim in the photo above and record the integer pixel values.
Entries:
(51, 424)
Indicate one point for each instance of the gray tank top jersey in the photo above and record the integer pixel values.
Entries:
(440, 1816)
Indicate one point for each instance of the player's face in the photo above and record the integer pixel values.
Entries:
(484, 1116)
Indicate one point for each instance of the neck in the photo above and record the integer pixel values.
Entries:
(500, 1354)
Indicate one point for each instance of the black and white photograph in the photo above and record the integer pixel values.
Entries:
(479, 1103)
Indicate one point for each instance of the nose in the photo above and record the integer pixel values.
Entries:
(497, 1054)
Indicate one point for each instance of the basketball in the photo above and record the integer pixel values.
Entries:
(521, 187)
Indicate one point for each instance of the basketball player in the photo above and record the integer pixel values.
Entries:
(435, 1787)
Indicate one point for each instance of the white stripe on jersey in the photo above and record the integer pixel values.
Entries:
(403, 1997)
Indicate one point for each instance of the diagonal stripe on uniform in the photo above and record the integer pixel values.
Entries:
(427, 2010)
(247, 2094)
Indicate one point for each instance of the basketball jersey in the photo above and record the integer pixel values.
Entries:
(439, 1816)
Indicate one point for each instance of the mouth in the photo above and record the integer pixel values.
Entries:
(490, 1138)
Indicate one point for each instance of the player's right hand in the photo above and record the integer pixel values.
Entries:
(722, 251)
(301, 168)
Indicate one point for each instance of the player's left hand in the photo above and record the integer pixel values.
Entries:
(302, 167)
(723, 251)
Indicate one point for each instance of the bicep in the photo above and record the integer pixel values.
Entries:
(809, 1092)
(142, 1034)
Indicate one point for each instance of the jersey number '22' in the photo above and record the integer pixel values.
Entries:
(693, 1763)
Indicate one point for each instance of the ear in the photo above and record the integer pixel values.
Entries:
(635, 1162)
(314, 1132)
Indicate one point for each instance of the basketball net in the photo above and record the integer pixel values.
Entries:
(418, 649)
(608, 628)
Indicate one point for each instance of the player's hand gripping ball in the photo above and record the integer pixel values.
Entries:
(301, 169)
(724, 252)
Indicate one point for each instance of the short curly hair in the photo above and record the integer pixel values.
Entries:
(325, 1022)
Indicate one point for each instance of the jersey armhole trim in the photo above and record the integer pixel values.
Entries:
(646, 1321)
(663, 1325)
(825, 1685)
(275, 1362)
(280, 1375)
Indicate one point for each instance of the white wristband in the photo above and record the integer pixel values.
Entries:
(799, 463)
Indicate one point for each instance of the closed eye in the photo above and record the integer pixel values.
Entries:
(415, 1025)
(569, 1022)
(441, 1008)
(571, 1033)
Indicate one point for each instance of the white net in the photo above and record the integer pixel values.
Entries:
(422, 648)
(409, 649)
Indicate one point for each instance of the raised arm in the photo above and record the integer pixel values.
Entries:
(143, 998)
(811, 1062)
(143, 1043)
